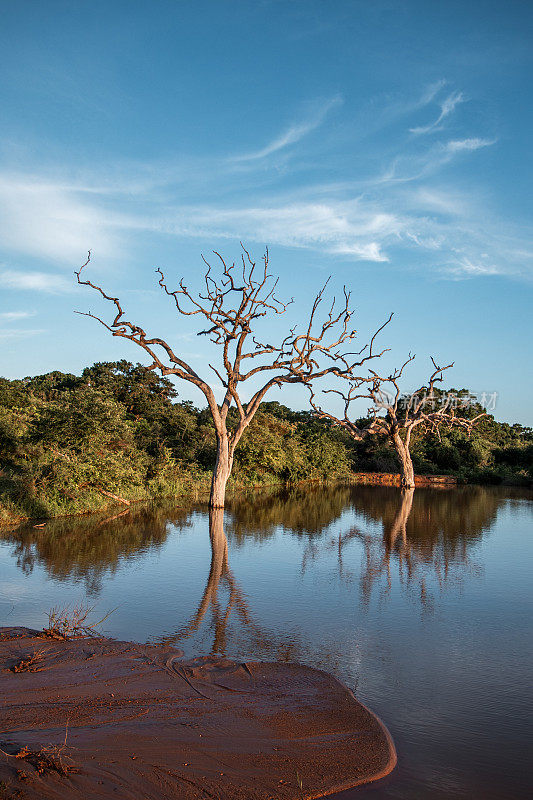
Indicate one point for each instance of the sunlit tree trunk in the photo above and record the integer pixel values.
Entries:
(221, 473)
(223, 465)
(407, 472)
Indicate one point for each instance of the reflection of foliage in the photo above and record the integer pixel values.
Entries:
(301, 509)
(425, 540)
(447, 521)
(438, 517)
(422, 534)
(91, 546)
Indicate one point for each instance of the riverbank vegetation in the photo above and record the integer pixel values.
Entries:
(118, 433)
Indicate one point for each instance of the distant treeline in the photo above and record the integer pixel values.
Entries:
(70, 444)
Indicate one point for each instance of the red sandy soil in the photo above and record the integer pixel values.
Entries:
(141, 723)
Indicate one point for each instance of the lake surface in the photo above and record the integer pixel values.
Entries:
(421, 604)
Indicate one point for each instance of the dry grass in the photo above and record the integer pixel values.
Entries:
(30, 663)
(48, 759)
(66, 623)
(45, 760)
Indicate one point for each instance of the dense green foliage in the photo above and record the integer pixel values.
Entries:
(68, 442)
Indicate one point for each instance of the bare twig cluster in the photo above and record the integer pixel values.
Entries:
(390, 410)
(29, 663)
(47, 759)
(66, 623)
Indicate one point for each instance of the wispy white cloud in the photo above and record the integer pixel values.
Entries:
(46, 219)
(430, 93)
(449, 104)
(13, 316)
(424, 163)
(372, 251)
(440, 201)
(446, 107)
(8, 333)
(346, 227)
(462, 145)
(403, 210)
(35, 281)
(294, 133)
(464, 268)
(17, 333)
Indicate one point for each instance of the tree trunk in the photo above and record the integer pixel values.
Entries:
(407, 473)
(221, 473)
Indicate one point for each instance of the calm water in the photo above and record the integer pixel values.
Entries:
(422, 605)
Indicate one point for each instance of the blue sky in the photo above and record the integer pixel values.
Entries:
(384, 143)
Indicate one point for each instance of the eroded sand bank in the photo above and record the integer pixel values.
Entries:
(141, 723)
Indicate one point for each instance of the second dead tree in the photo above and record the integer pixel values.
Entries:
(394, 414)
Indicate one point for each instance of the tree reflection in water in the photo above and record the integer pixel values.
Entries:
(378, 554)
(411, 536)
(306, 510)
(423, 535)
(219, 577)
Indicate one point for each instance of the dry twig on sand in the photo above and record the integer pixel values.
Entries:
(47, 759)
(64, 623)
(31, 663)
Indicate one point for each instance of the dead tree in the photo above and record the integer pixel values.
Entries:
(394, 414)
(232, 304)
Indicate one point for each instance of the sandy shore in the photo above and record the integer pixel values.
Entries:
(97, 718)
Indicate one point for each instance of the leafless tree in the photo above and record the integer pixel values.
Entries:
(232, 304)
(395, 414)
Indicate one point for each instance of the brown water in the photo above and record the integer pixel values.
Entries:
(422, 604)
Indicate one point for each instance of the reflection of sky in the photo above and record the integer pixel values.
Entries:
(450, 677)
